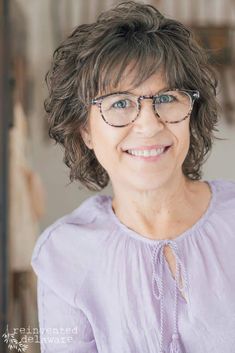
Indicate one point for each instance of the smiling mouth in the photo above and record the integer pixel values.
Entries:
(148, 153)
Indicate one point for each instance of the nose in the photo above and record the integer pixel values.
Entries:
(147, 122)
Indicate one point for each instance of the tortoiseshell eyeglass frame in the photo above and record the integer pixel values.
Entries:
(193, 94)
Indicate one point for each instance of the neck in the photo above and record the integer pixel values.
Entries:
(160, 212)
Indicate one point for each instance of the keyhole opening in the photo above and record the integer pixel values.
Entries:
(171, 262)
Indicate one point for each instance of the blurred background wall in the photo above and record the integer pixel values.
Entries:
(37, 27)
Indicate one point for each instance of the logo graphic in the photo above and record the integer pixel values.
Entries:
(13, 343)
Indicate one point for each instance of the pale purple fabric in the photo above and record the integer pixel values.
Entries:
(113, 288)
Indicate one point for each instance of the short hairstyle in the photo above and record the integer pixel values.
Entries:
(93, 60)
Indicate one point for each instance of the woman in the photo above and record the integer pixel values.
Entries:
(132, 100)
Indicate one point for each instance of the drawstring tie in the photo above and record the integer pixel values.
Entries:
(157, 281)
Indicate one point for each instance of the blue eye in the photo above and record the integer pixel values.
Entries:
(120, 104)
(164, 98)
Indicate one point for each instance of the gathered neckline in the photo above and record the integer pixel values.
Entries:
(178, 238)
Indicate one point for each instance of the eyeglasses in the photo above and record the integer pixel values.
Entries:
(123, 108)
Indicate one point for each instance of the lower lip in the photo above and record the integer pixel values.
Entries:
(150, 158)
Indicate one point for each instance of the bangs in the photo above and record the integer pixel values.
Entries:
(131, 62)
(127, 61)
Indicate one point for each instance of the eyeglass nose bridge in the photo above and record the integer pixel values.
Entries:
(146, 97)
(140, 98)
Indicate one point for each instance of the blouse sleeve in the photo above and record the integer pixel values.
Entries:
(62, 327)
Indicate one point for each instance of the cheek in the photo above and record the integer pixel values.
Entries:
(107, 144)
(182, 140)
(185, 146)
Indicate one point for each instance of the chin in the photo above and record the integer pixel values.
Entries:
(149, 184)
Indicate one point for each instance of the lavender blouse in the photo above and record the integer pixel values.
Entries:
(104, 288)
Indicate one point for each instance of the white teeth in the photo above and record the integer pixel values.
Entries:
(146, 153)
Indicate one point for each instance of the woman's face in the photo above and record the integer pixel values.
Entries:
(109, 143)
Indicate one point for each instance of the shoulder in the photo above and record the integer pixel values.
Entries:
(223, 203)
(220, 225)
(65, 251)
(72, 227)
(224, 191)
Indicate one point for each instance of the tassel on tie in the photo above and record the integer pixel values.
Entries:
(175, 345)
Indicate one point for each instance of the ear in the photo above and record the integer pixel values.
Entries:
(86, 136)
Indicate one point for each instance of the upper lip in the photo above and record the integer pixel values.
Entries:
(147, 147)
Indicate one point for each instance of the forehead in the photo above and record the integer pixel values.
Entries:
(150, 86)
